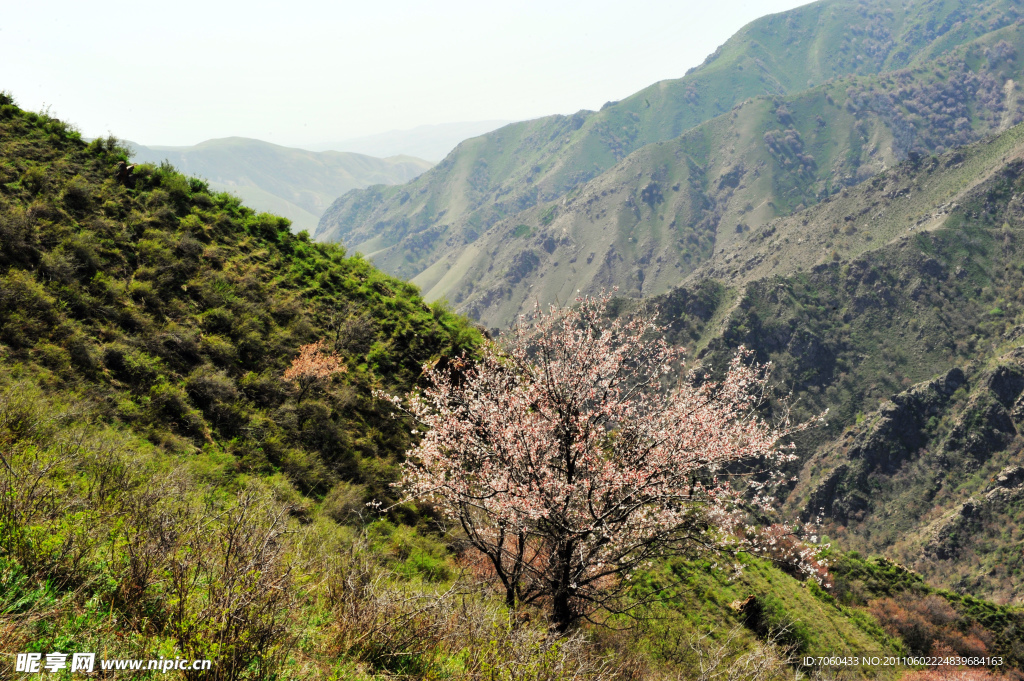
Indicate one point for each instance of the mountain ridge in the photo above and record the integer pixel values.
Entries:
(429, 142)
(646, 223)
(868, 318)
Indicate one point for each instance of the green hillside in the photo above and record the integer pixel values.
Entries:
(650, 220)
(165, 493)
(173, 310)
(499, 176)
(294, 183)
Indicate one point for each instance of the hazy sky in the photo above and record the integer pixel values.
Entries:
(304, 71)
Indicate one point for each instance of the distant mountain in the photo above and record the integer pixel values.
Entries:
(295, 183)
(651, 219)
(766, 120)
(432, 142)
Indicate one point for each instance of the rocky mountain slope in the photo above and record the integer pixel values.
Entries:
(521, 176)
(934, 479)
(650, 220)
(913, 278)
(294, 183)
(807, 218)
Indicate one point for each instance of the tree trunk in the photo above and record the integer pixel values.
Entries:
(562, 615)
(511, 598)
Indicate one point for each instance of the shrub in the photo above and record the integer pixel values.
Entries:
(77, 195)
(264, 389)
(345, 503)
(35, 179)
(239, 616)
(53, 356)
(704, 657)
(768, 617)
(82, 352)
(170, 402)
(415, 630)
(929, 625)
(17, 237)
(270, 227)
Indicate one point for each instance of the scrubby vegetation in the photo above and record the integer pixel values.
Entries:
(113, 545)
(175, 311)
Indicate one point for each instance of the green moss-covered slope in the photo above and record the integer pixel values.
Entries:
(174, 311)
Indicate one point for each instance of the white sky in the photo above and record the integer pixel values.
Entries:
(182, 71)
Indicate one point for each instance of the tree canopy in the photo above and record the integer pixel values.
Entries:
(570, 462)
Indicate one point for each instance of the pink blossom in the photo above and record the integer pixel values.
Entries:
(570, 462)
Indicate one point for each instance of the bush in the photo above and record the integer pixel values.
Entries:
(270, 227)
(53, 356)
(77, 195)
(171, 403)
(239, 616)
(345, 503)
(768, 617)
(35, 179)
(443, 631)
(216, 396)
(17, 237)
(930, 626)
(265, 389)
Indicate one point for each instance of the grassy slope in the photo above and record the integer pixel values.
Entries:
(176, 310)
(295, 183)
(515, 168)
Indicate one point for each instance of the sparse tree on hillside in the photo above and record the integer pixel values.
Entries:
(570, 464)
(313, 366)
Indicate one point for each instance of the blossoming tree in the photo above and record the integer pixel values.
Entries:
(570, 462)
(314, 365)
